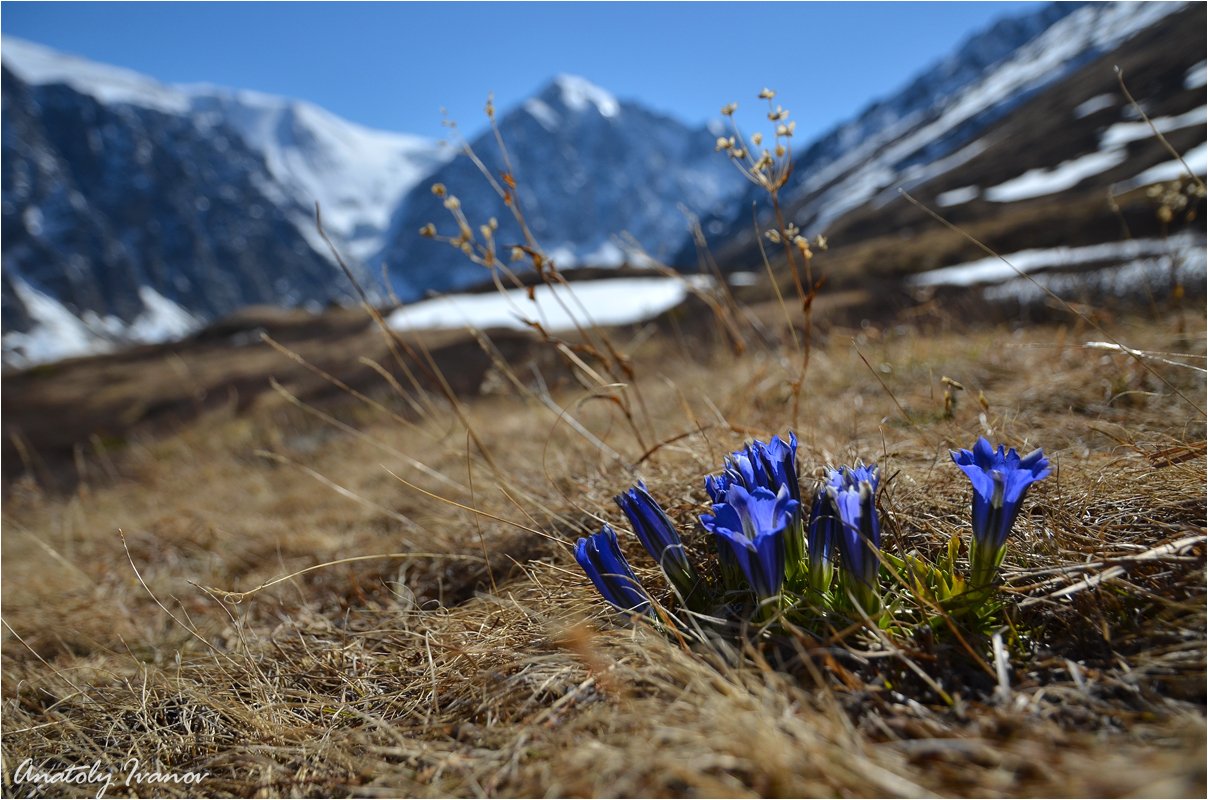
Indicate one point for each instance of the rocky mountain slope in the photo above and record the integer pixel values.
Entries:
(588, 167)
(997, 130)
(134, 211)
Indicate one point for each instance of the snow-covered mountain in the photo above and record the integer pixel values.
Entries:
(356, 174)
(135, 211)
(591, 172)
(959, 118)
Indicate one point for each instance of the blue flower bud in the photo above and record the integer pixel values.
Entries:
(852, 494)
(601, 558)
(659, 537)
(825, 529)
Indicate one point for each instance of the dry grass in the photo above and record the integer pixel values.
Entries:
(482, 662)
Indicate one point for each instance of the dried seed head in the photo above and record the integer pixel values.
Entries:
(485, 230)
(766, 94)
(428, 231)
(780, 151)
(452, 203)
(517, 254)
(438, 189)
(773, 236)
(738, 152)
(729, 108)
(820, 242)
(786, 130)
(757, 139)
(494, 223)
(725, 143)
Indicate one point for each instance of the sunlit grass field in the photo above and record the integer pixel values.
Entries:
(435, 637)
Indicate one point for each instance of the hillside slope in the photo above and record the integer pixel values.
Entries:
(1043, 129)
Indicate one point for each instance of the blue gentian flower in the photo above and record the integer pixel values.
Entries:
(759, 465)
(852, 493)
(1000, 481)
(750, 528)
(601, 558)
(658, 536)
(824, 532)
(771, 465)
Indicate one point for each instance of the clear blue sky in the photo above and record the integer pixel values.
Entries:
(395, 65)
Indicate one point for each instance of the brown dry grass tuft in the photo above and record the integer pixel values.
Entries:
(481, 662)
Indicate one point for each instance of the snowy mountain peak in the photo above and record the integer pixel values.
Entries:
(595, 176)
(356, 174)
(200, 196)
(38, 65)
(577, 94)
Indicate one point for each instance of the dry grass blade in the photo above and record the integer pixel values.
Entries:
(1117, 566)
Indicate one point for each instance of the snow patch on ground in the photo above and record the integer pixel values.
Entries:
(1096, 103)
(57, 333)
(162, 320)
(956, 197)
(616, 301)
(1039, 182)
(1184, 261)
(562, 256)
(1197, 161)
(1124, 132)
(993, 270)
(607, 254)
(1197, 76)
(918, 174)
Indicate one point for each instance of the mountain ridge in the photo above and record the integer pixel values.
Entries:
(602, 181)
(588, 168)
(928, 130)
(281, 129)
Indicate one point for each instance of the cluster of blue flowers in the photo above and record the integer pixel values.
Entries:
(777, 552)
